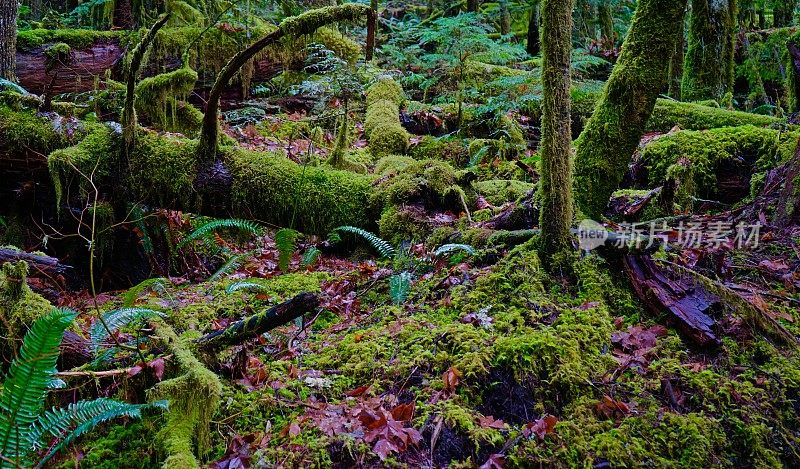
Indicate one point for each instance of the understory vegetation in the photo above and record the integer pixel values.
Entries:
(495, 234)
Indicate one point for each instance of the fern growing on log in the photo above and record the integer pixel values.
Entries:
(211, 227)
(381, 246)
(133, 293)
(449, 248)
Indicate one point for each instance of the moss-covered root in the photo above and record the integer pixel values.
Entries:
(162, 99)
(382, 127)
(556, 168)
(708, 70)
(613, 132)
(19, 306)
(194, 397)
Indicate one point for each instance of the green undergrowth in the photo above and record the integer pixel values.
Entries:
(75, 38)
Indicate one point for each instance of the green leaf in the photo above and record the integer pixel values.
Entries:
(286, 240)
(381, 246)
(211, 227)
(310, 257)
(400, 287)
(117, 319)
(450, 248)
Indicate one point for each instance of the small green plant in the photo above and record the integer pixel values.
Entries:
(286, 240)
(24, 425)
(116, 319)
(400, 287)
(211, 227)
(310, 257)
(381, 246)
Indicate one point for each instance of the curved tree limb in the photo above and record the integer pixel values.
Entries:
(305, 23)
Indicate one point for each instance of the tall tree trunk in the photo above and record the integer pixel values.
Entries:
(584, 21)
(606, 19)
(533, 44)
(708, 70)
(676, 63)
(556, 150)
(8, 39)
(472, 5)
(613, 132)
(505, 18)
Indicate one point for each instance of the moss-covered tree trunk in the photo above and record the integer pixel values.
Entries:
(605, 17)
(585, 27)
(8, 39)
(472, 5)
(533, 44)
(556, 150)
(783, 13)
(505, 18)
(708, 70)
(676, 63)
(613, 132)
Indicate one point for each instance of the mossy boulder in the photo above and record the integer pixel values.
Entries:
(382, 127)
(19, 305)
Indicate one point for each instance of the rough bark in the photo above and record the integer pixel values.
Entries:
(260, 323)
(606, 17)
(8, 39)
(556, 148)
(372, 29)
(472, 5)
(505, 18)
(708, 70)
(39, 264)
(533, 44)
(783, 13)
(614, 130)
(676, 63)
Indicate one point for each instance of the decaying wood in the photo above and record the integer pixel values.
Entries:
(75, 351)
(260, 323)
(688, 302)
(39, 264)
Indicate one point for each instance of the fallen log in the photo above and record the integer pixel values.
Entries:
(38, 263)
(687, 301)
(260, 323)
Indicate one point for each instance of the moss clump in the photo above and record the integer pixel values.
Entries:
(268, 186)
(382, 126)
(707, 150)
(162, 99)
(23, 131)
(500, 191)
(337, 42)
(429, 182)
(128, 446)
(74, 38)
(194, 397)
(690, 116)
(446, 149)
(19, 306)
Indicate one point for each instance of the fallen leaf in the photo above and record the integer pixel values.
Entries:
(495, 461)
(403, 412)
(490, 422)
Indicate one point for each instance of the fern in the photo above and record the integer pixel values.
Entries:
(117, 319)
(25, 386)
(67, 424)
(400, 287)
(13, 86)
(133, 293)
(245, 285)
(310, 257)
(449, 248)
(211, 227)
(381, 246)
(230, 265)
(286, 239)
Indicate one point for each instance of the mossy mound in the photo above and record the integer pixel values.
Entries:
(500, 191)
(19, 306)
(162, 99)
(382, 126)
(751, 149)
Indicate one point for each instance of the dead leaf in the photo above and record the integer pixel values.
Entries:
(495, 461)
(403, 412)
(451, 378)
(490, 422)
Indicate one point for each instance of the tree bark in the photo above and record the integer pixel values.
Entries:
(614, 130)
(676, 63)
(372, 30)
(708, 70)
(606, 18)
(505, 18)
(39, 264)
(8, 39)
(783, 13)
(556, 149)
(473, 5)
(533, 44)
(258, 324)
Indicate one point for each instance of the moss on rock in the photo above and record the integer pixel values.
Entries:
(382, 126)
(19, 305)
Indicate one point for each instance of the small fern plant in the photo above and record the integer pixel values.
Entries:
(212, 227)
(25, 427)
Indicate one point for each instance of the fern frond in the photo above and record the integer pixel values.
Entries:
(212, 226)
(381, 246)
(310, 257)
(69, 423)
(246, 286)
(449, 248)
(25, 386)
(133, 293)
(13, 86)
(286, 240)
(230, 265)
(117, 319)
(400, 287)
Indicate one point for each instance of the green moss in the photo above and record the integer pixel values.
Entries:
(194, 397)
(23, 131)
(706, 150)
(708, 67)
(163, 97)
(128, 446)
(689, 116)
(446, 149)
(74, 38)
(382, 125)
(19, 305)
(267, 186)
(397, 225)
(498, 192)
(340, 44)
